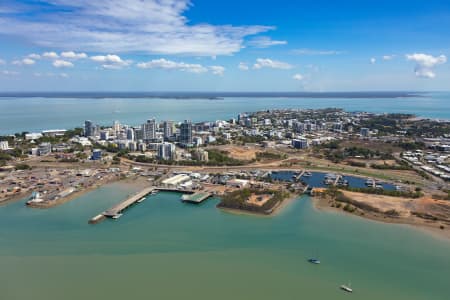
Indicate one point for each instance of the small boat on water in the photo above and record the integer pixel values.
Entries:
(314, 261)
(370, 182)
(117, 216)
(154, 192)
(342, 182)
(307, 174)
(346, 288)
(140, 200)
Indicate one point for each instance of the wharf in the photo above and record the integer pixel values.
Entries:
(196, 197)
(300, 175)
(164, 189)
(119, 208)
(116, 211)
(338, 177)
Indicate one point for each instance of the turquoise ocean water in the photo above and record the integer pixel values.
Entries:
(34, 114)
(164, 249)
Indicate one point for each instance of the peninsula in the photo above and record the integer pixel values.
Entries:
(389, 167)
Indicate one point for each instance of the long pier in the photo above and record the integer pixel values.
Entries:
(117, 210)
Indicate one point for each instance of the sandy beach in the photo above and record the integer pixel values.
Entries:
(399, 204)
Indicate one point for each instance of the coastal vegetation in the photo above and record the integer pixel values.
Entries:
(269, 156)
(393, 193)
(239, 200)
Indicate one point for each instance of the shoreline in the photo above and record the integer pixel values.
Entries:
(15, 198)
(135, 182)
(321, 204)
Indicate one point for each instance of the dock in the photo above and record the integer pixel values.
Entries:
(117, 210)
(300, 175)
(196, 198)
(338, 177)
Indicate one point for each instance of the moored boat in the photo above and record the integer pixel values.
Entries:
(346, 288)
(117, 216)
(314, 261)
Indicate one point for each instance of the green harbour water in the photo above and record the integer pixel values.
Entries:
(165, 249)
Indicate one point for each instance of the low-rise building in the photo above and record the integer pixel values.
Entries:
(44, 149)
(4, 145)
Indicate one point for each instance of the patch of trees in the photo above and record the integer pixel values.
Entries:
(23, 167)
(337, 155)
(238, 200)
(384, 192)
(411, 146)
(400, 167)
(269, 156)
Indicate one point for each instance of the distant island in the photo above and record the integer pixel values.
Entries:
(214, 95)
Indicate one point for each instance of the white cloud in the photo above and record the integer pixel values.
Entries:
(306, 51)
(425, 63)
(26, 61)
(73, 55)
(265, 42)
(298, 77)
(34, 56)
(172, 65)
(373, 60)
(217, 70)
(111, 61)
(151, 26)
(50, 55)
(243, 66)
(50, 74)
(269, 63)
(388, 57)
(2, 62)
(59, 63)
(9, 73)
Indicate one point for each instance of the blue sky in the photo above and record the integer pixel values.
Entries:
(203, 45)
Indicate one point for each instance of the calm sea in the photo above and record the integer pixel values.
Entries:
(39, 113)
(164, 249)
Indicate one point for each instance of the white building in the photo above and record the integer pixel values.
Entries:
(237, 183)
(33, 136)
(166, 151)
(175, 181)
(149, 130)
(4, 145)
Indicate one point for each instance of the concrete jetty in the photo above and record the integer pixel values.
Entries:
(117, 210)
(196, 198)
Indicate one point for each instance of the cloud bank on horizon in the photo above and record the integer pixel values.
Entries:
(147, 37)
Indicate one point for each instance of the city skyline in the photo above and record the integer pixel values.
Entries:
(198, 45)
